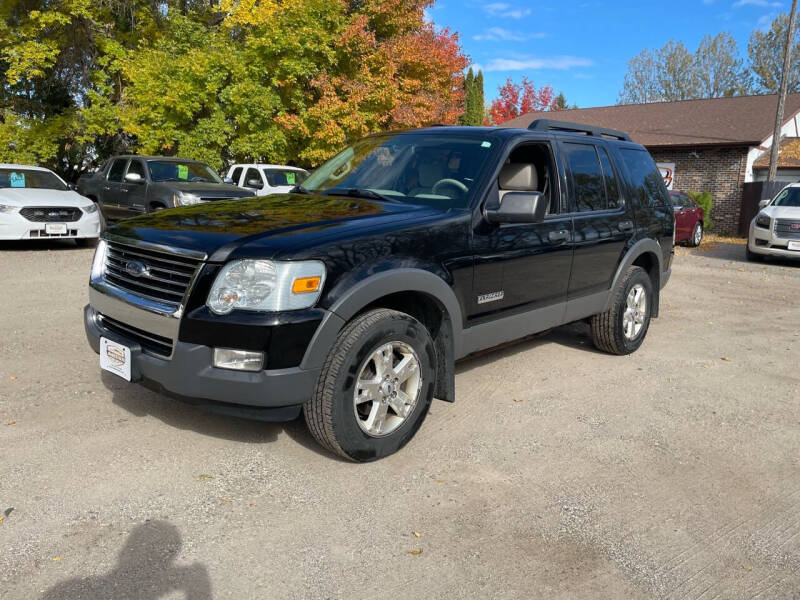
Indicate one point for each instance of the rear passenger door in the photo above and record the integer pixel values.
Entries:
(603, 221)
(112, 186)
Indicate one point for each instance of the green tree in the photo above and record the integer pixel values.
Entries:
(765, 52)
(473, 99)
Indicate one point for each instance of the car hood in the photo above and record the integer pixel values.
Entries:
(265, 224)
(782, 212)
(207, 190)
(40, 197)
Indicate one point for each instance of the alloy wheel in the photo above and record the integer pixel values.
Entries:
(635, 312)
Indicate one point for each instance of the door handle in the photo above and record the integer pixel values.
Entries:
(625, 226)
(105, 187)
(561, 235)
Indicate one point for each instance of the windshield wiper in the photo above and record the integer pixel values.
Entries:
(364, 193)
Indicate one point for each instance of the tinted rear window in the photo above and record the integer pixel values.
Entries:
(648, 185)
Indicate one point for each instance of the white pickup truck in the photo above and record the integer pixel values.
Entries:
(265, 179)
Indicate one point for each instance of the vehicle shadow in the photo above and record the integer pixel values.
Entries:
(41, 245)
(145, 570)
(735, 253)
(573, 335)
(142, 402)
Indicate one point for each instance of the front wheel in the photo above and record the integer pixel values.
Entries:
(375, 388)
(697, 235)
(623, 327)
(752, 256)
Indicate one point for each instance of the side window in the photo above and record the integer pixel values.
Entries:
(117, 169)
(250, 176)
(137, 167)
(588, 187)
(236, 175)
(648, 185)
(612, 182)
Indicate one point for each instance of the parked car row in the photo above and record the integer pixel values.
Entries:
(35, 203)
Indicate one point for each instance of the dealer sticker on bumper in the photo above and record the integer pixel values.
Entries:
(115, 358)
(55, 228)
(794, 245)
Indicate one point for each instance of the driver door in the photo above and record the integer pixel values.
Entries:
(521, 267)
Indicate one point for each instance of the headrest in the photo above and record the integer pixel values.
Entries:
(519, 177)
(429, 174)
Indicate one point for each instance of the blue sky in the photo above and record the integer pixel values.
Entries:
(581, 48)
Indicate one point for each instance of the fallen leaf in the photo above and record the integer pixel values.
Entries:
(224, 501)
(8, 511)
(10, 422)
(706, 367)
(416, 534)
(56, 558)
(252, 505)
(517, 400)
(726, 359)
(440, 481)
(203, 477)
(13, 377)
(746, 568)
(416, 552)
(1, 520)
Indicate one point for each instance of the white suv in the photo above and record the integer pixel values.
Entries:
(776, 229)
(266, 179)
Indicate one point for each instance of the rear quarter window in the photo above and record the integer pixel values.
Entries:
(647, 185)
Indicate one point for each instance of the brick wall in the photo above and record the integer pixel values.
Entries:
(717, 170)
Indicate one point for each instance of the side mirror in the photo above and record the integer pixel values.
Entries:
(255, 183)
(764, 203)
(73, 187)
(133, 178)
(519, 207)
(227, 180)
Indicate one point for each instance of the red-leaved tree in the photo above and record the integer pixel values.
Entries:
(518, 99)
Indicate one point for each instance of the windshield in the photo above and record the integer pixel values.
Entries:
(176, 170)
(788, 197)
(31, 178)
(427, 168)
(284, 177)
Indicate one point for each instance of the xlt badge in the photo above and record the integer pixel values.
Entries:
(493, 297)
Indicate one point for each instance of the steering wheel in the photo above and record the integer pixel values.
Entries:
(453, 182)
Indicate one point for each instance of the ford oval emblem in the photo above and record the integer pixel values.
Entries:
(137, 269)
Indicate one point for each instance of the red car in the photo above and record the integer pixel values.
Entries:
(688, 219)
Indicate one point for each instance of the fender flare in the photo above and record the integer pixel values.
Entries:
(645, 246)
(371, 289)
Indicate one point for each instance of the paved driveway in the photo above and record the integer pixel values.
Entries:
(560, 472)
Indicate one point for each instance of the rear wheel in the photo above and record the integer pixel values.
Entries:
(623, 327)
(375, 388)
(697, 235)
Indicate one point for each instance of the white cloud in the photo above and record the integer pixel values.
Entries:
(498, 33)
(759, 3)
(532, 63)
(503, 9)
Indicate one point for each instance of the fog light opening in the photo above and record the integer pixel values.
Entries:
(238, 360)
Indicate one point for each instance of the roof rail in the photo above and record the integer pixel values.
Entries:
(551, 125)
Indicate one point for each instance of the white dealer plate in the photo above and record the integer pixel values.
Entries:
(794, 245)
(55, 228)
(115, 358)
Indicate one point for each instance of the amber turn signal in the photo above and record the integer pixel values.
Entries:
(304, 285)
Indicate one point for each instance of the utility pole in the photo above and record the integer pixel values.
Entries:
(787, 61)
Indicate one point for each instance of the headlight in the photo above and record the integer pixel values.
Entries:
(186, 199)
(99, 260)
(266, 285)
(762, 220)
(5, 208)
(90, 208)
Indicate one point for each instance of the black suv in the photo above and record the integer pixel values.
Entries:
(352, 297)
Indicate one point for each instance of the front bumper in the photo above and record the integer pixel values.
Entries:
(764, 242)
(189, 375)
(13, 226)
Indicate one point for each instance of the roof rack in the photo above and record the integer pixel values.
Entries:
(551, 125)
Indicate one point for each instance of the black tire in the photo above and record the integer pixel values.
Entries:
(752, 256)
(607, 328)
(693, 241)
(331, 415)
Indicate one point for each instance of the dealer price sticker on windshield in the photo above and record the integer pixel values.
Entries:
(115, 358)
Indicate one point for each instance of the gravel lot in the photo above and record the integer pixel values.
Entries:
(559, 472)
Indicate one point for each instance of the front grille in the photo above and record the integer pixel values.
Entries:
(150, 342)
(164, 276)
(784, 229)
(51, 214)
